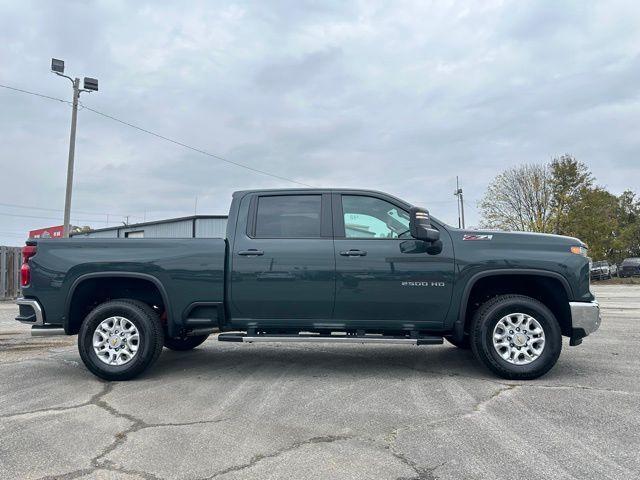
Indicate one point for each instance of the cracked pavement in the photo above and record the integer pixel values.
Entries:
(270, 411)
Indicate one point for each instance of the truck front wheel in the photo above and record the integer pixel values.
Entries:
(119, 339)
(183, 344)
(516, 337)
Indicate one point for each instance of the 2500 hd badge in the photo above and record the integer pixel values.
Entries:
(423, 284)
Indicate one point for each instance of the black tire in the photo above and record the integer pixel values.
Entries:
(464, 344)
(151, 337)
(486, 318)
(183, 344)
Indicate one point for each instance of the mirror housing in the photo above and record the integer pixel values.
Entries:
(420, 225)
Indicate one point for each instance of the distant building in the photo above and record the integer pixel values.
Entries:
(195, 226)
(49, 232)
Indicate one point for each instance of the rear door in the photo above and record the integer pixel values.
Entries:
(385, 277)
(283, 265)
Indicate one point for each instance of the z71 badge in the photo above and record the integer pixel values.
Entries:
(477, 237)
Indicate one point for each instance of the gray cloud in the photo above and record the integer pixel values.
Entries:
(398, 96)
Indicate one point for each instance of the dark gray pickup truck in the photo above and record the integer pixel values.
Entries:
(315, 266)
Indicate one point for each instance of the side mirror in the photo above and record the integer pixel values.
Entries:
(420, 225)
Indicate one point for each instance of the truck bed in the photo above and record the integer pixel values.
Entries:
(189, 273)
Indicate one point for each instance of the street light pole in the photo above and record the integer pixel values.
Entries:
(72, 152)
(90, 85)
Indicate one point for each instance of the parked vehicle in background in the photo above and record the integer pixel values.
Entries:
(600, 270)
(630, 267)
(311, 265)
(613, 269)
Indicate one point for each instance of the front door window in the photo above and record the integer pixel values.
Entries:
(369, 217)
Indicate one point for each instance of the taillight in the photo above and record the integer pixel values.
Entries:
(28, 251)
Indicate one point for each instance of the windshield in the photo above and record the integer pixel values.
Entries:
(600, 264)
(631, 261)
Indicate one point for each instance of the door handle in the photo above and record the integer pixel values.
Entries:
(250, 252)
(353, 253)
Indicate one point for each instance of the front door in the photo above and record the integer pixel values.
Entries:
(283, 266)
(383, 276)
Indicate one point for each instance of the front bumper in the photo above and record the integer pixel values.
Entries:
(585, 319)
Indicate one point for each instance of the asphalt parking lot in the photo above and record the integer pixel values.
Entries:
(267, 411)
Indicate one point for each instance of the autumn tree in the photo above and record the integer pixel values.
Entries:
(561, 198)
(629, 220)
(520, 199)
(593, 218)
(569, 178)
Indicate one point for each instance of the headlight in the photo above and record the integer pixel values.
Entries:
(579, 250)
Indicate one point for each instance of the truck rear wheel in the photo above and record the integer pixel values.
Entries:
(516, 337)
(119, 339)
(183, 344)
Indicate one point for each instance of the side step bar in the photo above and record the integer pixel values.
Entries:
(46, 330)
(310, 338)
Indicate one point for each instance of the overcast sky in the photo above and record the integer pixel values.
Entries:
(395, 96)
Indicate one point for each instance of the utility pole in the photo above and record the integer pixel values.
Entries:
(90, 85)
(72, 153)
(458, 193)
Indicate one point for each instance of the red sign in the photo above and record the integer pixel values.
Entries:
(49, 232)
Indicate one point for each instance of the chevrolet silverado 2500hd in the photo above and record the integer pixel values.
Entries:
(314, 265)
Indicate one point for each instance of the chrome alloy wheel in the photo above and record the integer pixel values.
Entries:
(116, 341)
(518, 338)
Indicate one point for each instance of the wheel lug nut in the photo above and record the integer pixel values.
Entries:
(512, 345)
(508, 338)
(511, 332)
(518, 329)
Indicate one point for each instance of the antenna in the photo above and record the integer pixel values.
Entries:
(458, 193)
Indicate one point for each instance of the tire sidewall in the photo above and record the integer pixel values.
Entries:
(145, 352)
(548, 322)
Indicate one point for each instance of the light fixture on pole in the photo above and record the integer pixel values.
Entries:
(89, 85)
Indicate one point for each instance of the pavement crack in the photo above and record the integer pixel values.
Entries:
(92, 401)
(421, 473)
(482, 405)
(258, 458)
(579, 387)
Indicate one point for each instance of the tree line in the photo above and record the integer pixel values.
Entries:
(562, 197)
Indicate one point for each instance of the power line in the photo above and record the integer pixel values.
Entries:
(14, 234)
(46, 218)
(35, 94)
(167, 139)
(162, 137)
(195, 149)
(27, 207)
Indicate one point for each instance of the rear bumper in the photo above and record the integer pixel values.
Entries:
(30, 312)
(585, 319)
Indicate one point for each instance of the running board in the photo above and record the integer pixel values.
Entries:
(46, 330)
(310, 338)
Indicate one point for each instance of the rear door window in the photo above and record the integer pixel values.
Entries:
(289, 216)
